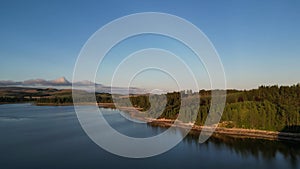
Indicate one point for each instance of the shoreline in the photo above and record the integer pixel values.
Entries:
(102, 105)
(234, 132)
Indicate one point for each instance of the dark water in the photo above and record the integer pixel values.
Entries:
(51, 137)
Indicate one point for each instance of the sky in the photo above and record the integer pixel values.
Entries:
(257, 41)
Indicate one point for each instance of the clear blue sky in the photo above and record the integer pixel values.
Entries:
(258, 41)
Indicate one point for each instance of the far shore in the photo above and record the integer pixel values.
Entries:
(104, 105)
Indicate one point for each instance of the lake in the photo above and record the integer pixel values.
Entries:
(51, 137)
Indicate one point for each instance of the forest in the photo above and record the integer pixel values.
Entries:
(267, 108)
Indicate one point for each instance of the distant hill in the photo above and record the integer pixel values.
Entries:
(63, 83)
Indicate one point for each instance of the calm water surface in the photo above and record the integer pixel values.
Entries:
(51, 137)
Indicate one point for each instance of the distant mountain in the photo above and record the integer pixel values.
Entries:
(9, 83)
(34, 82)
(62, 83)
(120, 90)
(86, 83)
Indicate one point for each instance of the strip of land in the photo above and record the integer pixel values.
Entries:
(234, 132)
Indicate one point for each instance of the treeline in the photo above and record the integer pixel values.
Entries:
(58, 99)
(55, 100)
(86, 98)
(4, 99)
(268, 108)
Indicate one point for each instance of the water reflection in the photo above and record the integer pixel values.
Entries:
(259, 149)
(248, 147)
